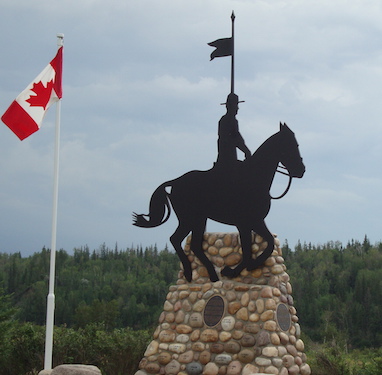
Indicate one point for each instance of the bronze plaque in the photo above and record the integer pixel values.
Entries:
(283, 317)
(214, 311)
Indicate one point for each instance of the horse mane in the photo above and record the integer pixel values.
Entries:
(265, 146)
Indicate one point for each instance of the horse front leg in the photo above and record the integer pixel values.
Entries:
(246, 246)
(264, 232)
(196, 247)
(176, 240)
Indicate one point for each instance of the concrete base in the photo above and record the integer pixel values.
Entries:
(75, 369)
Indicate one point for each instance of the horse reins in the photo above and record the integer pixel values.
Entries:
(289, 182)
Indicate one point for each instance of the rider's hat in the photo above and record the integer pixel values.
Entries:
(232, 98)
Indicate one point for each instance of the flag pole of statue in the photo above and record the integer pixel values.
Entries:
(26, 113)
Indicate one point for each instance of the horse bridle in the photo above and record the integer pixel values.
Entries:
(289, 182)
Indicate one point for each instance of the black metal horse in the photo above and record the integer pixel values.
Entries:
(242, 200)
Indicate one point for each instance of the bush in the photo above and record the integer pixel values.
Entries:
(331, 360)
(22, 349)
(116, 352)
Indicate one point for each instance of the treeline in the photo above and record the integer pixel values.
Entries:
(120, 288)
(337, 289)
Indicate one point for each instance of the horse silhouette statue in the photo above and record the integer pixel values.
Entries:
(244, 203)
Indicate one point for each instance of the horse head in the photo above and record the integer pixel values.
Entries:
(289, 153)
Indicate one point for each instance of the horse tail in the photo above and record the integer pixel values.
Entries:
(159, 204)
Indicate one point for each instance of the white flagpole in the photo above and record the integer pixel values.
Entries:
(51, 297)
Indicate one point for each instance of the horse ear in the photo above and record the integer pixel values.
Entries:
(281, 126)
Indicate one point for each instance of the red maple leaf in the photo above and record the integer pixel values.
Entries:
(42, 97)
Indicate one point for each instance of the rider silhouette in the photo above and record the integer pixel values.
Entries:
(229, 135)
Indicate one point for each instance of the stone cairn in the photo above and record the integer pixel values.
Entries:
(242, 326)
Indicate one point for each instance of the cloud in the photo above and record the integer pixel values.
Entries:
(142, 103)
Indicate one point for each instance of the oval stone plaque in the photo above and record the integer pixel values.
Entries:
(213, 311)
(283, 317)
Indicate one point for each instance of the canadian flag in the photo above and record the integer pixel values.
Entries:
(24, 116)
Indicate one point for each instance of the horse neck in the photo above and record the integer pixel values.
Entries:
(265, 159)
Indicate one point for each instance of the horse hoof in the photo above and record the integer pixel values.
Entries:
(252, 265)
(214, 278)
(188, 274)
(228, 272)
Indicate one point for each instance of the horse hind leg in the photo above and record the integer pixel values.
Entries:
(263, 231)
(196, 247)
(176, 240)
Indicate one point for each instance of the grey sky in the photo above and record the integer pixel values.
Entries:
(142, 101)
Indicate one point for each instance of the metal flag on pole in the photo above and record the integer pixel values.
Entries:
(51, 296)
(226, 47)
